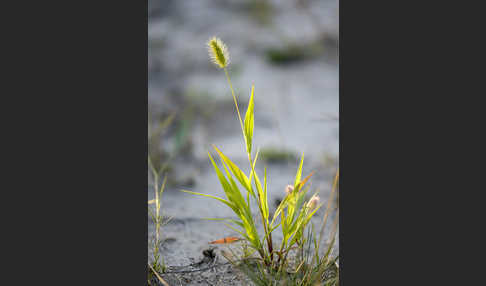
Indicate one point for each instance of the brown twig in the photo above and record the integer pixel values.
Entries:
(158, 276)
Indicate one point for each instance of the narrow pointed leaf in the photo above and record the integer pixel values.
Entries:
(240, 176)
(265, 200)
(237, 198)
(230, 194)
(299, 173)
(213, 197)
(249, 122)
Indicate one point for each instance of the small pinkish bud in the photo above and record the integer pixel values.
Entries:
(313, 202)
(289, 189)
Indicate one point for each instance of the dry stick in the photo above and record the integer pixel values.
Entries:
(158, 276)
(327, 208)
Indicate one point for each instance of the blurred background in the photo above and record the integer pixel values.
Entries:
(289, 51)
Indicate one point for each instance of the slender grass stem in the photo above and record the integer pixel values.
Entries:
(156, 188)
(234, 98)
(269, 244)
(265, 227)
(158, 261)
(333, 232)
(331, 196)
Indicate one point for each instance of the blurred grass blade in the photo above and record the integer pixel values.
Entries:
(162, 126)
(328, 207)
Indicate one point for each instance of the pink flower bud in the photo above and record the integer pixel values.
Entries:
(313, 202)
(289, 189)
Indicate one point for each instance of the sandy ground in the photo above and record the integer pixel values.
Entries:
(296, 108)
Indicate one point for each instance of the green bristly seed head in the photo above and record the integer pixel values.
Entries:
(218, 52)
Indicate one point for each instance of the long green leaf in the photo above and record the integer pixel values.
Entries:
(299, 173)
(240, 176)
(261, 196)
(243, 211)
(249, 122)
(212, 197)
(238, 199)
(280, 208)
(265, 200)
(239, 223)
(230, 194)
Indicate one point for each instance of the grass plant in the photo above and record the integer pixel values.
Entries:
(291, 217)
(157, 265)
